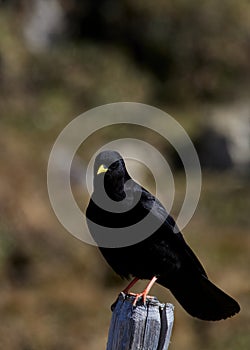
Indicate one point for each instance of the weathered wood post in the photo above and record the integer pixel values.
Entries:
(140, 327)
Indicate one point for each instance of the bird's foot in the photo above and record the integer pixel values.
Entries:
(144, 293)
(133, 282)
(144, 296)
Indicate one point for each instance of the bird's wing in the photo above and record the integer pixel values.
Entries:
(151, 204)
(169, 231)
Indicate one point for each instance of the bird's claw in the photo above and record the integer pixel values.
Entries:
(138, 296)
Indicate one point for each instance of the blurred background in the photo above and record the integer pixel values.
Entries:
(59, 58)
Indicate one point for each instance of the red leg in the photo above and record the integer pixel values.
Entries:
(131, 284)
(145, 292)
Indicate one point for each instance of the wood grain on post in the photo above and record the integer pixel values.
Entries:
(140, 327)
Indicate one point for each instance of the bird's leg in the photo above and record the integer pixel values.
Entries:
(131, 284)
(145, 292)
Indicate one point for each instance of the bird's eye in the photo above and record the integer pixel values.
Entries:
(113, 166)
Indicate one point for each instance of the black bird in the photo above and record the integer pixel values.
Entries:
(117, 203)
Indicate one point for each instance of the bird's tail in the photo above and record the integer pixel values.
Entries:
(202, 299)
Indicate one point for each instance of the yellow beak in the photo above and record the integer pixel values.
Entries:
(102, 169)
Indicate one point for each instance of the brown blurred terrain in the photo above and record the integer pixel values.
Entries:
(60, 59)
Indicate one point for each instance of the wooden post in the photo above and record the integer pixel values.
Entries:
(140, 327)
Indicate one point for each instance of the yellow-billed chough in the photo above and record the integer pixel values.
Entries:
(121, 207)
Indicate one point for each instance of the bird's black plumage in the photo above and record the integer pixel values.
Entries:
(163, 254)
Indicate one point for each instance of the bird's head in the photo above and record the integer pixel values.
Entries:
(110, 171)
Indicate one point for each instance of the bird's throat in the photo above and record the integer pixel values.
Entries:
(115, 189)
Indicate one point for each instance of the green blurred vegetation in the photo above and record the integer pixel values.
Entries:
(181, 56)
